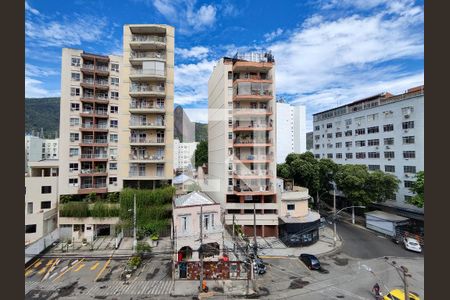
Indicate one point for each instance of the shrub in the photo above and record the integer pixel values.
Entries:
(74, 210)
(143, 247)
(135, 262)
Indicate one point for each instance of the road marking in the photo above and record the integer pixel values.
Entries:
(103, 269)
(44, 269)
(28, 272)
(68, 269)
(95, 266)
(33, 264)
(79, 268)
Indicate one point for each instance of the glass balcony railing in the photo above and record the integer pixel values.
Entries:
(260, 172)
(145, 123)
(146, 140)
(136, 54)
(94, 141)
(93, 185)
(147, 38)
(252, 141)
(148, 72)
(146, 105)
(94, 155)
(94, 126)
(146, 156)
(146, 88)
(92, 171)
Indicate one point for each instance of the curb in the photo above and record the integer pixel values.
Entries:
(335, 250)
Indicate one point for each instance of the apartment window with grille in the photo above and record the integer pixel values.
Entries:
(373, 154)
(230, 123)
(230, 75)
(375, 142)
(348, 133)
(31, 228)
(115, 95)
(389, 154)
(46, 189)
(360, 131)
(360, 155)
(329, 125)
(114, 123)
(329, 135)
(112, 180)
(73, 167)
(115, 67)
(317, 155)
(360, 143)
(330, 155)
(338, 155)
(408, 183)
(349, 155)
(75, 62)
(29, 208)
(407, 110)
(46, 204)
(74, 106)
(115, 81)
(409, 154)
(114, 109)
(339, 145)
(373, 129)
(408, 140)
(372, 117)
(373, 167)
(291, 207)
(338, 134)
(113, 138)
(73, 152)
(409, 169)
(408, 125)
(317, 137)
(329, 145)
(113, 166)
(389, 141)
(74, 92)
(230, 181)
(388, 127)
(348, 144)
(73, 181)
(75, 76)
(348, 122)
(389, 168)
(230, 135)
(74, 136)
(317, 127)
(317, 146)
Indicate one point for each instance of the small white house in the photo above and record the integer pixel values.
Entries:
(384, 222)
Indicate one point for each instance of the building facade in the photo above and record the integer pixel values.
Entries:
(183, 154)
(37, 148)
(146, 106)
(41, 199)
(241, 141)
(291, 130)
(384, 132)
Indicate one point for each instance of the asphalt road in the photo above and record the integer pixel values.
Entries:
(364, 244)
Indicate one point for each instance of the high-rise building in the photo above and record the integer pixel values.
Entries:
(37, 148)
(384, 132)
(291, 130)
(183, 154)
(146, 106)
(241, 141)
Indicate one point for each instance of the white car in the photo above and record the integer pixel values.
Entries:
(412, 244)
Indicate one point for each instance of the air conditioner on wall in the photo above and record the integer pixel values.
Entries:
(406, 116)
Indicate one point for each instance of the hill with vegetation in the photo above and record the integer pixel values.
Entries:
(42, 114)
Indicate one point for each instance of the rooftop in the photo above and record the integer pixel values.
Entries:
(310, 217)
(386, 216)
(193, 199)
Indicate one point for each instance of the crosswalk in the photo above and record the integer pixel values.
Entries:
(42, 285)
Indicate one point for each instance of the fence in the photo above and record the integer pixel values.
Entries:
(40, 245)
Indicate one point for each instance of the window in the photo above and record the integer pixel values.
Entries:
(375, 142)
(73, 181)
(208, 221)
(389, 154)
(75, 62)
(30, 228)
(329, 145)
(230, 75)
(409, 154)
(338, 134)
(73, 152)
(329, 135)
(114, 81)
(317, 127)
(115, 67)
(74, 136)
(406, 111)
(349, 155)
(317, 146)
(46, 204)
(408, 125)
(348, 122)
(388, 127)
(408, 198)
(184, 223)
(329, 125)
(360, 131)
(348, 133)
(113, 180)
(389, 168)
(291, 207)
(330, 155)
(388, 114)
(408, 140)
(372, 117)
(114, 109)
(348, 144)
(409, 169)
(408, 183)
(373, 129)
(359, 120)
(74, 106)
(230, 91)
(74, 122)
(46, 189)
(360, 143)
(230, 181)
(230, 135)
(112, 166)
(360, 155)
(113, 138)
(75, 76)
(338, 155)
(373, 167)
(317, 155)
(339, 145)
(29, 207)
(73, 167)
(373, 154)
(115, 95)
(74, 92)
(114, 123)
(389, 141)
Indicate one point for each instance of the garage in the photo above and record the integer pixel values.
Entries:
(384, 222)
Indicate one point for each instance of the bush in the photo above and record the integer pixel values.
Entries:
(83, 210)
(135, 262)
(154, 237)
(74, 210)
(143, 247)
(65, 198)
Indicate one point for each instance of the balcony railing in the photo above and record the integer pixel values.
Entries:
(147, 55)
(252, 110)
(258, 125)
(148, 72)
(145, 123)
(97, 97)
(260, 172)
(256, 188)
(258, 92)
(94, 141)
(92, 67)
(148, 38)
(92, 171)
(253, 77)
(252, 141)
(96, 126)
(146, 88)
(146, 157)
(93, 185)
(146, 105)
(146, 140)
(94, 155)
(253, 157)
(96, 112)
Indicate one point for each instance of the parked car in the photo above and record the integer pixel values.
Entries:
(398, 294)
(412, 244)
(310, 261)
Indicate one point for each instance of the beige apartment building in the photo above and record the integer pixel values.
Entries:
(146, 106)
(241, 137)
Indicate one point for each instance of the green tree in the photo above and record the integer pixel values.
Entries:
(351, 180)
(327, 173)
(283, 171)
(418, 187)
(381, 186)
(304, 169)
(201, 154)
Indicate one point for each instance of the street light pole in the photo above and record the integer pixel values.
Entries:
(334, 214)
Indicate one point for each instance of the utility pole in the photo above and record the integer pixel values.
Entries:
(405, 281)
(234, 244)
(134, 224)
(334, 214)
(353, 215)
(200, 252)
(318, 202)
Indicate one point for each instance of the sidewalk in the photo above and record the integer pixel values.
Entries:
(216, 288)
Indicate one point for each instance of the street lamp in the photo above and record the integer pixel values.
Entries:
(336, 213)
(402, 270)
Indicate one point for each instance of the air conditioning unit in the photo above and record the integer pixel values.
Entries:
(347, 126)
(115, 183)
(376, 147)
(407, 116)
(387, 147)
(113, 157)
(406, 130)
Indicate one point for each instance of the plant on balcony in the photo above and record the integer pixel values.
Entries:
(74, 210)
(102, 209)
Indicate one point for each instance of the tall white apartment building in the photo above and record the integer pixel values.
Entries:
(183, 154)
(241, 141)
(384, 132)
(50, 149)
(38, 148)
(291, 130)
(146, 106)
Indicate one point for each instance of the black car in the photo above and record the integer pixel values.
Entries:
(310, 261)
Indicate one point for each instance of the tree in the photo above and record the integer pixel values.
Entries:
(418, 187)
(283, 171)
(381, 186)
(303, 169)
(201, 154)
(327, 173)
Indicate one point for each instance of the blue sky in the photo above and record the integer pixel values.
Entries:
(327, 52)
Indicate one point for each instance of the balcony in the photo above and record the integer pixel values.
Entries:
(263, 126)
(252, 78)
(143, 124)
(146, 141)
(247, 219)
(147, 42)
(94, 142)
(140, 74)
(253, 159)
(249, 142)
(254, 190)
(252, 174)
(98, 84)
(146, 176)
(257, 94)
(90, 69)
(93, 172)
(87, 188)
(139, 57)
(254, 62)
(98, 113)
(245, 111)
(91, 98)
(147, 90)
(94, 127)
(144, 106)
(146, 158)
(94, 157)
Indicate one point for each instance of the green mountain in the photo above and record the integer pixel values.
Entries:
(42, 114)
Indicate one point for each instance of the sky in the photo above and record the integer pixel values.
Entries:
(327, 52)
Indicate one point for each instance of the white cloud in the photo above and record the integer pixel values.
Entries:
(35, 71)
(30, 9)
(270, 36)
(34, 89)
(198, 52)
